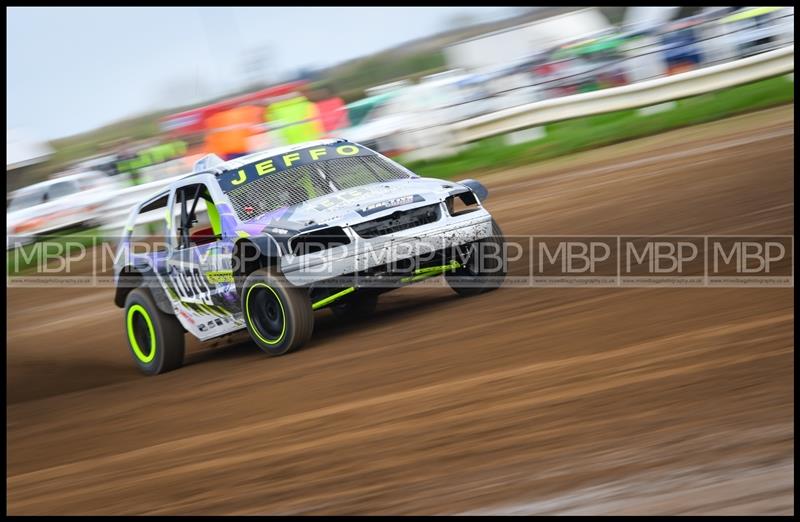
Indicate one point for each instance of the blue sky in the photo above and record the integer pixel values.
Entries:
(70, 70)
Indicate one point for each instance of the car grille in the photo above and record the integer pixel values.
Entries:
(400, 220)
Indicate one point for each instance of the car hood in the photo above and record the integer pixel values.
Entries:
(350, 206)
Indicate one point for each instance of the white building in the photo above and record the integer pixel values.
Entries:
(520, 42)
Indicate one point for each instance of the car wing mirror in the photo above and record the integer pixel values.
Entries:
(477, 187)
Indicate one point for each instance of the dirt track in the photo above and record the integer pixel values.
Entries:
(520, 401)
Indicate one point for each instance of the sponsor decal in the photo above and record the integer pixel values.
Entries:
(189, 285)
(220, 276)
(346, 198)
(383, 205)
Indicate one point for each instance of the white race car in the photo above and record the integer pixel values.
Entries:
(65, 202)
(289, 231)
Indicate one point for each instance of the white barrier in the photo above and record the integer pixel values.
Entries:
(115, 212)
(642, 94)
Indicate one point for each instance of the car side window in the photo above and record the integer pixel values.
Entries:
(61, 189)
(149, 226)
(27, 199)
(196, 218)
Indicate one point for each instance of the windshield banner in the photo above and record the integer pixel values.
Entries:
(233, 179)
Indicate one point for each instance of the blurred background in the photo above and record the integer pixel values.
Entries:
(588, 121)
(234, 81)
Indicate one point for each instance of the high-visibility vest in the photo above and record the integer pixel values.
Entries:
(228, 132)
(333, 114)
(295, 120)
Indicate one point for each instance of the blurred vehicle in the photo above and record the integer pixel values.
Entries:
(73, 200)
(381, 128)
(496, 88)
(584, 66)
(289, 231)
(759, 29)
(569, 76)
(358, 110)
(476, 93)
(643, 59)
(681, 50)
(413, 117)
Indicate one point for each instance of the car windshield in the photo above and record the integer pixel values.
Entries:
(296, 185)
(26, 199)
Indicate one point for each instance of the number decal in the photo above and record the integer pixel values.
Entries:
(190, 285)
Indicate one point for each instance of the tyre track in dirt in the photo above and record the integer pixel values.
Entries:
(522, 400)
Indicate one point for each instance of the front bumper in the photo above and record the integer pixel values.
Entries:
(363, 254)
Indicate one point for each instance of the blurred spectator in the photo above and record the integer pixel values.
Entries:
(295, 119)
(229, 132)
(127, 157)
(333, 113)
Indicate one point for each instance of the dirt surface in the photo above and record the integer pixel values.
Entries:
(521, 401)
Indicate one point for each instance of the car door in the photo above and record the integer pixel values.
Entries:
(24, 216)
(59, 209)
(198, 267)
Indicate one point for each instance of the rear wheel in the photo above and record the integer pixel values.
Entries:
(278, 315)
(485, 268)
(154, 338)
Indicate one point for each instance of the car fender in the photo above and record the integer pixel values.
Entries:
(251, 253)
(144, 276)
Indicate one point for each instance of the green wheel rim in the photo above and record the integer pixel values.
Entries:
(137, 350)
(253, 327)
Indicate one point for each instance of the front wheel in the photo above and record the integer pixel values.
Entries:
(485, 267)
(154, 338)
(278, 315)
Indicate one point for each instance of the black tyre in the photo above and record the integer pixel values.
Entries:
(154, 338)
(358, 305)
(486, 268)
(278, 315)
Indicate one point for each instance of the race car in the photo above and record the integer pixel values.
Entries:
(263, 241)
(68, 201)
